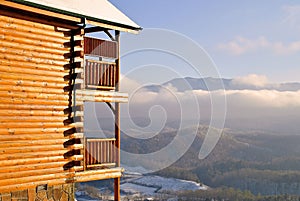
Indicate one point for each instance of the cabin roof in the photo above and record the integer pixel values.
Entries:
(93, 10)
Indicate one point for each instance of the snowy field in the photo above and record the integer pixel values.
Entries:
(169, 184)
(135, 183)
(162, 184)
(131, 188)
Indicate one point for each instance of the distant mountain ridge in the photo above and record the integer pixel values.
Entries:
(212, 84)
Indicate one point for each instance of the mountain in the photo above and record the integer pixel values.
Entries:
(211, 84)
(260, 162)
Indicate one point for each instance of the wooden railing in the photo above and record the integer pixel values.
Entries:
(100, 47)
(100, 153)
(101, 75)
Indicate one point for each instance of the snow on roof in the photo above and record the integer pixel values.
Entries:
(97, 10)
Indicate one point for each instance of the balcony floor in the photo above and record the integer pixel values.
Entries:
(101, 96)
(99, 174)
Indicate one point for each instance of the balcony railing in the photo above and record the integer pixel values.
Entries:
(100, 153)
(100, 47)
(101, 75)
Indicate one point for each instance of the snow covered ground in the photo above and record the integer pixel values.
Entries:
(169, 184)
(131, 188)
(135, 183)
(150, 185)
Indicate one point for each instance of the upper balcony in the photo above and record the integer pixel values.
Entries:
(101, 72)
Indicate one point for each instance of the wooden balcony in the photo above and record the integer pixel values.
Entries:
(100, 75)
(100, 153)
(100, 47)
(100, 160)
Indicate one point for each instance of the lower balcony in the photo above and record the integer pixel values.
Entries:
(100, 160)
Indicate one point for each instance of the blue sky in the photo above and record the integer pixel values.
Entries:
(242, 37)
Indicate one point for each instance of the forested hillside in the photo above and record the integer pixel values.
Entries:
(256, 161)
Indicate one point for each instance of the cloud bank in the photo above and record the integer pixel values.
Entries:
(241, 45)
(253, 106)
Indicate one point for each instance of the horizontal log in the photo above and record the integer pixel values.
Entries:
(29, 173)
(37, 66)
(31, 59)
(33, 54)
(27, 29)
(29, 161)
(30, 89)
(20, 124)
(32, 107)
(32, 47)
(29, 149)
(76, 135)
(33, 36)
(75, 146)
(30, 24)
(32, 113)
(100, 140)
(19, 61)
(10, 100)
(32, 71)
(76, 158)
(27, 143)
(20, 131)
(37, 166)
(18, 156)
(98, 174)
(100, 87)
(24, 186)
(31, 119)
(32, 41)
(102, 165)
(32, 136)
(31, 83)
(22, 180)
(17, 76)
(81, 100)
(14, 94)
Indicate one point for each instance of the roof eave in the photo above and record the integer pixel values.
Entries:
(89, 19)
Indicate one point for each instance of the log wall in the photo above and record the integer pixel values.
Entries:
(38, 136)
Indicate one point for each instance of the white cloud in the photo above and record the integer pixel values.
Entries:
(128, 85)
(241, 45)
(253, 105)
(251, 80)
(292, 13)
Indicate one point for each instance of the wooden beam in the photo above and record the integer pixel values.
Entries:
(94, 29)
(109, 35)
(91, 175)
(111, 27)
(117, 195)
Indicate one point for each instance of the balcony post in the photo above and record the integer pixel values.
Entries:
(117, 196)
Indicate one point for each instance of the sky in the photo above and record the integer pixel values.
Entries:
(241, 37)
(255, 43)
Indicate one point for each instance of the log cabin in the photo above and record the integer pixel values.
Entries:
(49, 67)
